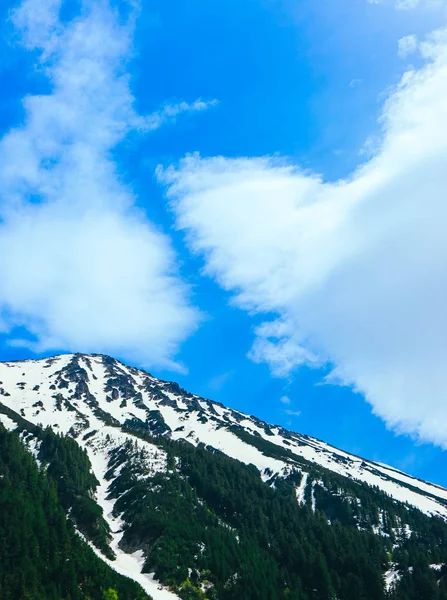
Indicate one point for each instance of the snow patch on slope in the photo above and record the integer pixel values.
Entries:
(8, 422)
(301, 489)
(391, 578)
(130, 565)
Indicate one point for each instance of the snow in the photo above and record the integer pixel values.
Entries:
(406, 531)
(130, 565)
(355, 467)
(8, 422)
(313, 496)
(221, 439)
(33, 445)
(36, 373)
(379, 529)
(126, 564)
(96, 387)
(425, 487)
(42, 374)
(391, 578)
(300, 490)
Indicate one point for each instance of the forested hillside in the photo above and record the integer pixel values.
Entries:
(41, 555)
(212, 529)
(209, 528)
(195, 501)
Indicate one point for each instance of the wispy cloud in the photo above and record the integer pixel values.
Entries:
(355, 268)
(218, 382)
(411, 5)
(407, 4)
(407, 45)
(169, 112)
(292, 413)
(80, 266)
(289, 411)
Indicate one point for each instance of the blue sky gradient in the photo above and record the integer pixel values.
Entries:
(304, 82)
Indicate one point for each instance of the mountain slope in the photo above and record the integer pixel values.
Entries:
(78, 394)
(41, 557)
(178, 503)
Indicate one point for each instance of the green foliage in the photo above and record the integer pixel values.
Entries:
(41, 556)
(69, 466)
(211, 528)
(110, 594)
(208, 525)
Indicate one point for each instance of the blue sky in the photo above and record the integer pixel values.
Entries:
(300, 276)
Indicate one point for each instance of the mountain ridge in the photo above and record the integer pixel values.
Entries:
(161, 395)
(142, 434)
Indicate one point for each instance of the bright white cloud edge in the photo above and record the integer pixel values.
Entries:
(80, 267)
(355, 269)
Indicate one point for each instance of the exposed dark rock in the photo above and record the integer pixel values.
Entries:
(211, 408)
(174, 388)
(166, 401)
(192, 403)
(156, 423)
(237, 416)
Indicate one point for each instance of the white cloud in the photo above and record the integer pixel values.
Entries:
(408, 45)
(355, 269)
(39, 24)
(292, 413)
(80, 266)
(285, 400)
(278, 344)
(169, 112)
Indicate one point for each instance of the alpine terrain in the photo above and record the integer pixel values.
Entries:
(115, 484)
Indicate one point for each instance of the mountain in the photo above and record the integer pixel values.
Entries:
(41, 555)
(195, 500)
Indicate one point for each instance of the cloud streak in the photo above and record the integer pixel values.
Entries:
(292, 413)
(80, 266)
(353, 269)
(170, 112)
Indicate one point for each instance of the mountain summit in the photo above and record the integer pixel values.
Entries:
(196, 500)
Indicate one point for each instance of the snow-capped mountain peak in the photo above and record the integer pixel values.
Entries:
(87, 395)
